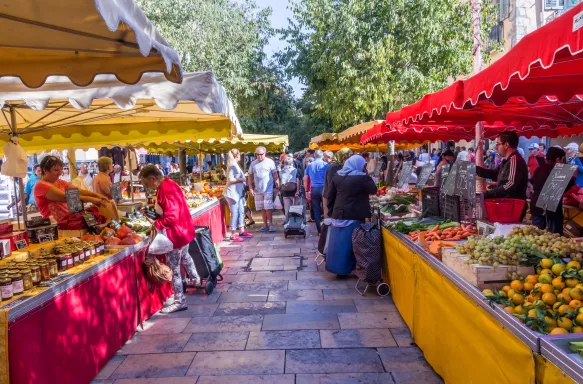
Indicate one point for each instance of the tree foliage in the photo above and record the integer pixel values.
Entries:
(362, 58)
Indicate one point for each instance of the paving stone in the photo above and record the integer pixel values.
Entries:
(247, 257)
(163, 325)
(155, 365)
(381, 305)
(349, 293)
(244, 309)
(274, 276)
(110, 367)
(247, 379)
(238, 363)
(402, 336)
(403, 359)
(265, 268)
(285, 261)
(234, 256)
(224, 324)
(216, 341)
(161, 380)
(233, 270)
(191, 311)
(141, 344)
(346, 378)
(416, 377)
(259, 262)
(362, 360)
(316, 276)
(300, 321)
(371, 320)
(321, 306)
(285, 245)
(243, 297)
(202, 298)
(106, 381)
(283, 340)
(260, 286)
(235, 264)
(357, 338)
(290, 295)
(317, 284)
(247, 278)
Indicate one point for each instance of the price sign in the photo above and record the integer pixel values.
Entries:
(450, 182)
(405, 173)
(424, 175)
(45, 238)
(465, 185)
(90, 220)
(20, 244)
(74, 202)
(115, 192)
(557, 181)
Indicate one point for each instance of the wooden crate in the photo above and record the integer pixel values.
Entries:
(480, 276)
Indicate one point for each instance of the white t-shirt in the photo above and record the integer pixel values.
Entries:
(263, 175)
(463, 155)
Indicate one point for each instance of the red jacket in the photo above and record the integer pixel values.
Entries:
(176, 220)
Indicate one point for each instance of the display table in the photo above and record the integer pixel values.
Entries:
(462, 337)
(211, 215)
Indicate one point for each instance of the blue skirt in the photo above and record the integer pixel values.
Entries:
(340, 258)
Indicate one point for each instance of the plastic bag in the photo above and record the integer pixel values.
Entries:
(277, 203)
(161, 244)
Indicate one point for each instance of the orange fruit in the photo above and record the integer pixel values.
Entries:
(546, 263)
(579, 319)
(577, 329)
(511, 293)
(518, 299)
(565, 322)
(565, 309)
(557, 269)
(576, 294)
(528, 287)
(533, 313)
(546, 271)
(545, 278)
(559, 331)
(519, 310)
(546, 288)
(564, 298)
(538, 285)
(558, 283)
(575, 304)
(557, 305)
(572, 282)
(506, 288)
(531, 279)
(509, 309)
(549, 298)
(517, 285)
(573, 264)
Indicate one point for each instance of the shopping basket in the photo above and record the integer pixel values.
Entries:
(504, 210)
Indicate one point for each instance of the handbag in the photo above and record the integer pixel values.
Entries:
(289, 187)
(155, 271)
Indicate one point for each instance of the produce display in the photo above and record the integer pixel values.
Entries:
(196, 200)
(124, 232)
(550, 301)
(392, 204)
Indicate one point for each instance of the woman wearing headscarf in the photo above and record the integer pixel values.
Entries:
(348, 207)
(335, 165)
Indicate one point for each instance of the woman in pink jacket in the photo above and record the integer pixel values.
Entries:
(175, 218)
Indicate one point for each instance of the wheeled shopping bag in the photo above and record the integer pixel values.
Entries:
(367, 245)
(206, 259)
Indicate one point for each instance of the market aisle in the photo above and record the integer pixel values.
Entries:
(277, 318)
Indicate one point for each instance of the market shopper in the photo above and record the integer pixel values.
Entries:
(49, 192)
(175, 219)
(263, 182)
(348, 207)
(512, 175)
(289, 179)
(335, 165)
(29, 188)
(117, 173)
(235, 195)
(574, 154)
(316, 174)
(447, 160)
(102, 181)
(535, 159)
(545, 219)
(84, 179)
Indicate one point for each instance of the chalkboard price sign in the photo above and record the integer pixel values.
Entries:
(450, 182)
(115, 192)
(405, 173)
(465, 185)
(73, 201)
(90, 220)
(424, 175)
(557, 181)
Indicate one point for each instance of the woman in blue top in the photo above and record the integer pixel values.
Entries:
(574, 153)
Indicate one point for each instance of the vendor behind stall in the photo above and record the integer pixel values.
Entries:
(49, 192)
(447, 160)
(102, 181)
(512, 175)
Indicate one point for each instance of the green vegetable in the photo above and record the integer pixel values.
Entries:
(452, 224)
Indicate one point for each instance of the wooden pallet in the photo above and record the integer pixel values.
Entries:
(482, 277)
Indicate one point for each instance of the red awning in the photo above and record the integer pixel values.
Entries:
(546, 62)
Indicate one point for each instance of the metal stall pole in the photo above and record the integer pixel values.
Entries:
(129, 148)
(20, 183)
(477, 21)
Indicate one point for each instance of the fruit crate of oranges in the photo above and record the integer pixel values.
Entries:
(549, 301)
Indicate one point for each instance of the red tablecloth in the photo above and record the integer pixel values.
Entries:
(71, 337)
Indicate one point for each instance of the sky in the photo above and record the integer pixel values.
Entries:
(279, 18)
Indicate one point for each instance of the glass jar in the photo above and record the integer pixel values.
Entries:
(61, 261)
(75, 260)
(99, 248)
(44, 271)
(69, 258)
(26, 278)
(35, 271)
(82, 256)
(6, 287)
(53, 268)
(87, 251)
(17, 283)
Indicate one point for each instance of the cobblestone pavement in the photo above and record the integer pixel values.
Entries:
(277, 318)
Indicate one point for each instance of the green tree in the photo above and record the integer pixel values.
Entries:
(226, 37)
(362, 58)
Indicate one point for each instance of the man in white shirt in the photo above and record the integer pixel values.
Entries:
(424, 157)
(463, 155)
(263, 183)
(84, 180)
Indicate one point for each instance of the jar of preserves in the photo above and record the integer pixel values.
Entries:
(6, 287)
(75, 259)
(17, 283)
(44, 271)
(26, 278)
(61, 262)
(99, 248)
(35, 272)
(53, 268)
(87, 251)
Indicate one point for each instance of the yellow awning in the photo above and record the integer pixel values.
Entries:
(355, 132)
(248, 144)
(79, 39)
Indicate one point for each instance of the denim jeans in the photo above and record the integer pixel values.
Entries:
(316, 194)
(237, 214)
(553, 223)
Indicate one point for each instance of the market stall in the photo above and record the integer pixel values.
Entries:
(505, 307)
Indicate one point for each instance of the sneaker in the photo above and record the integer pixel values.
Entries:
(245, 234)
(174, 308)
(263, 229)
(236, 239)
(271, 228)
